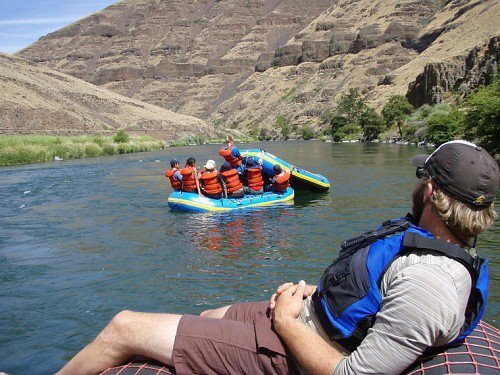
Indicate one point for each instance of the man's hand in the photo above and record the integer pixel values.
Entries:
(308, 291)
(288, 305)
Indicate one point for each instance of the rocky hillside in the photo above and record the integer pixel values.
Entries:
(241, 64)
(186, 56)
(35, 99)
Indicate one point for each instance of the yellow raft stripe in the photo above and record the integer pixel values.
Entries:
(218, 209)
(295, 173)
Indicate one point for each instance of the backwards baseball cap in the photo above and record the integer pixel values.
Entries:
(464, 170)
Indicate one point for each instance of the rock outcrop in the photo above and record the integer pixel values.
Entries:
(38, 100)
(461, 74)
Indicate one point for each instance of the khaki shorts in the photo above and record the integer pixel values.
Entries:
(242, 342)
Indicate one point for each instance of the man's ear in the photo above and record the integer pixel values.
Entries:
(429, 188)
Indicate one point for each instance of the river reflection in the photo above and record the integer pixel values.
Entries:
(82, 240)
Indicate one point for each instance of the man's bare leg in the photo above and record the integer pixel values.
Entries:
(129, 333)
(215, 313)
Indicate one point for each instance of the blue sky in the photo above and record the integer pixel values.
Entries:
(23, 22)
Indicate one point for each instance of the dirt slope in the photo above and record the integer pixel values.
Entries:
(35, 99)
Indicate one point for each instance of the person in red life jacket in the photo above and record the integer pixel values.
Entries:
(233, 188)
(254, 178)
(174, 175)
(210, 181)
(281, 179)
(190, 182)
(231, 154)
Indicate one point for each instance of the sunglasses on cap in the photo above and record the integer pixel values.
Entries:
(421, 172)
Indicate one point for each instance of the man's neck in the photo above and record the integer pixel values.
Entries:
(432, 223)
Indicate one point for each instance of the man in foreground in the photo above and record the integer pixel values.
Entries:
(391, 295)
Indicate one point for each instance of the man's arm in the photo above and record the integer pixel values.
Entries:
(313, 353)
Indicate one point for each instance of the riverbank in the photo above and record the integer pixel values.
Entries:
(27, 149)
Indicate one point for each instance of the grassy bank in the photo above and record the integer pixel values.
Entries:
(26, 149)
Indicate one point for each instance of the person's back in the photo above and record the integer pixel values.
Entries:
(233, 185)
(231, 154)
(254, 177)
(189, 174)
(281, 180)
(210, 181)
(174, 175)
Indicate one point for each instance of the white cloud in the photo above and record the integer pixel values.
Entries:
(38, 21)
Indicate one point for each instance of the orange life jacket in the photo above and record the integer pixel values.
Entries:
(227, 154)
(282, 181)
(188, 181)
(233, 181)
(254, 177)
(211, 183)
(176, 184)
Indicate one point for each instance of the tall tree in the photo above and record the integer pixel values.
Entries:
(396, 111)
(482, 117)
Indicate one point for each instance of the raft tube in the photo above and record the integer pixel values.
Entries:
(300, 178)
(477, 355)
(192, 202)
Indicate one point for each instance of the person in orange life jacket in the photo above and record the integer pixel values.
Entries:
(281, 179)
(253, 172)
(231, 154)
(174, 175)
(190, 182)
(423, 297)
(233, 188)
(210, 181)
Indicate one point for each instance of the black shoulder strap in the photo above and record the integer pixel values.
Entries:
(415, 241)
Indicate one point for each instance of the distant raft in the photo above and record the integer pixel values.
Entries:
(300, 178)
(477, 355)
(192, 202)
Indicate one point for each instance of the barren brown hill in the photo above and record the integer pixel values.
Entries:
(243, 63)
(35, 99)
(186, 56)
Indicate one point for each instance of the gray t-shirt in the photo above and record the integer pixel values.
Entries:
(424, 297)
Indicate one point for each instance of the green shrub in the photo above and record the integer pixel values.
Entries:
(307, 133)
(396, 112)
(109, 149)
(121, 136)
(482, 117)
(444, 126)
(284, 125)
(371, 123)
(92, 150)
(24, 154)
(99, 140)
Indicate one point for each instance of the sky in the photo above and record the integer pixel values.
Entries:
(23, 22)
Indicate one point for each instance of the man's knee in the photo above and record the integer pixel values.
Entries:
(118, 328)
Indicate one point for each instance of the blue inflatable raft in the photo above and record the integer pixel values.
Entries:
(300, 178)
(192, 202)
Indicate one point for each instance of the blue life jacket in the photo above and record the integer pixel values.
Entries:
(348, 296)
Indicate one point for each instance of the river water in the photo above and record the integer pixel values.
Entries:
(82, 240)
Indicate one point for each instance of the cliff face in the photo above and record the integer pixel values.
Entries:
(187, 56)
(242, 64)
(38, 100)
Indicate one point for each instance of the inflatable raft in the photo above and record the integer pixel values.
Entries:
(477, 355)
(299, 177)
(192, 202)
